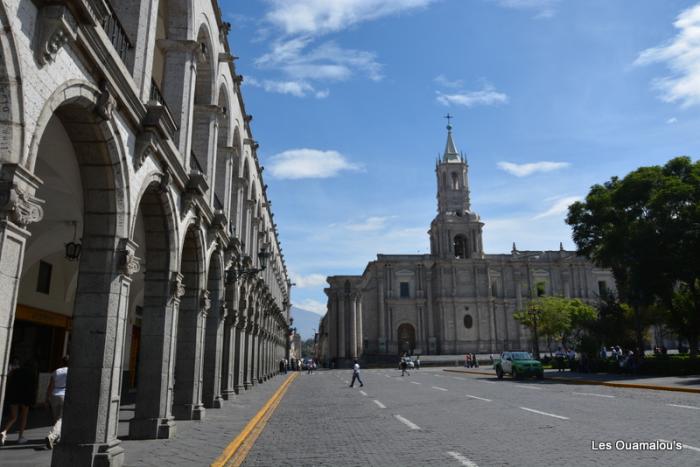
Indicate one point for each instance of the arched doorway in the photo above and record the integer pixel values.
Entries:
(407, 338)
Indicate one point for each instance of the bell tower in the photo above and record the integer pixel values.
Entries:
(456, 230)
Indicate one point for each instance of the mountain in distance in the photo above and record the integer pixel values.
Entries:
(306, 322)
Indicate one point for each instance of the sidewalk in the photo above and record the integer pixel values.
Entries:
(665, 383)
(195, 443)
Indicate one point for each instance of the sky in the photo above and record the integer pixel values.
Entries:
(549, 97)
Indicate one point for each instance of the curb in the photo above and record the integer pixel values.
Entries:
(258, 421)
(592, 382)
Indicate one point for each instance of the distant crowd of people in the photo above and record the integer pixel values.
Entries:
(294, 364)
(470, 361)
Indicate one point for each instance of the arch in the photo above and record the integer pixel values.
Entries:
(155, 231)
(461, 246)
(455, 181)
(106, 260)
(224, 152)
(194, 305)
(406, 338)
(12, 130)
(213, 350)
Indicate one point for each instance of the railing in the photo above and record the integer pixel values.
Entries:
(116, 33)
(157, 96)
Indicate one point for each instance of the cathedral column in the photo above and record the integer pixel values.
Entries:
(229, 356)
(360, 336)
(239, 369)
(353, 326)
(341, 325)
(380, 307)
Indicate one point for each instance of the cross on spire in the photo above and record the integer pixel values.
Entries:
(449, 121)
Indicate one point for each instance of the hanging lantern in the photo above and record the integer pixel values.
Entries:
(73, 248)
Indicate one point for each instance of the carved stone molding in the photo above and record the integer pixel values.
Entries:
(205, 301)
(177, 287)
(105, 105)
(56, 27)
(129, 263)
(17, 201)
(146, 145)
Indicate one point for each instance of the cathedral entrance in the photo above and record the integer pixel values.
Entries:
(407, 338)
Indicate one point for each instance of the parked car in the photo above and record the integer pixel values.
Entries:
(519, 365)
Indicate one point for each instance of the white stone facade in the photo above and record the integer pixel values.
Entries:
(455, 300)
(123, 128)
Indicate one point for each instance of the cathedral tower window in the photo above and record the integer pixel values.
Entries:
(461, 247)
(468, 321)
(455, 181)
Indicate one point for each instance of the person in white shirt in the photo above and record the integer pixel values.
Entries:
(55, 396)
(356, 374)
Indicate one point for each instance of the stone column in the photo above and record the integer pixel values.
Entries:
(381, 341)
(91, 410)
(254, 352)
(239, 368)
(247, 357)
(18, 209)
(213, 350)
(188, 368)
(332, 323)
(341, 325)
(360, 335)
(153, 417)
(228, 385)
(353, 326)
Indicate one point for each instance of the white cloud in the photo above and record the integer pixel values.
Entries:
(544, 8)
(315, 17)
(523, 170)
(312, 280)
(682, 56)
(312, 305)
(293, 88)
(309, 163)
(559, 208)
(327, 62)
(671, 120)
(447, 83)
(369, 224)
(486, 96)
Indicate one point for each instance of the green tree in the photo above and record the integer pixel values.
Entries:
(646, 229)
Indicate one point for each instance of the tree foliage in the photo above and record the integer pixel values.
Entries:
(646, 229)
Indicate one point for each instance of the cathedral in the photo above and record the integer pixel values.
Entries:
(455, 300)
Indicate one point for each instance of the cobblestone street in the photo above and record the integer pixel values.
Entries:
(437, 418)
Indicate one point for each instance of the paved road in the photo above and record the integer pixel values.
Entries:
(437, 418)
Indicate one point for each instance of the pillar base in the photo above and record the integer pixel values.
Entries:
(189, 412)
(217, 403)
(96, 455)
(247, 385)
(239, 388)
(152, 428)
(229, 394)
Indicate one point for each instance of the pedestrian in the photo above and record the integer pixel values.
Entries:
(356, 374)
(404, 367)
(286, 365)
(309, 366)
(55, 396)
(467, 359)
(475, 362)
(418, 362)
(559, 360)
(20, 395)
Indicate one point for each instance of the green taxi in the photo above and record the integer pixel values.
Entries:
(519, 365)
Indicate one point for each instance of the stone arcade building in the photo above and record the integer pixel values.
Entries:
(454, 300)
(123, 132)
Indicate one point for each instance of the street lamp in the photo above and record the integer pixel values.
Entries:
(239, 271)
(73, 249)
(534, 312)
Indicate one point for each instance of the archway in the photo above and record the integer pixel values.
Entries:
(194, 305)
(461, 246)
(407, 338)
(213, 346)
(82, 296)
(152, 342)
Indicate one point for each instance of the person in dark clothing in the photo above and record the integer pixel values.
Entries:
(20, 396)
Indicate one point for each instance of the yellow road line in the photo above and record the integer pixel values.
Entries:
(251, 428)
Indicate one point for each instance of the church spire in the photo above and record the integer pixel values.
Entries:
(451, 154)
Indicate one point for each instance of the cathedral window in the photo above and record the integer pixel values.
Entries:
(468, 321)
(404, 290)
(43, 283)
(455, 181)
(461, 247)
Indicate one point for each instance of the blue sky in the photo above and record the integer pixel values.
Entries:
(549, 98)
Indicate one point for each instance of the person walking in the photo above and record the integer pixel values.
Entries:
(356, 374)
(475, 362)
(418, 362)
(20, 395)
(55, 396)
(404, 367)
